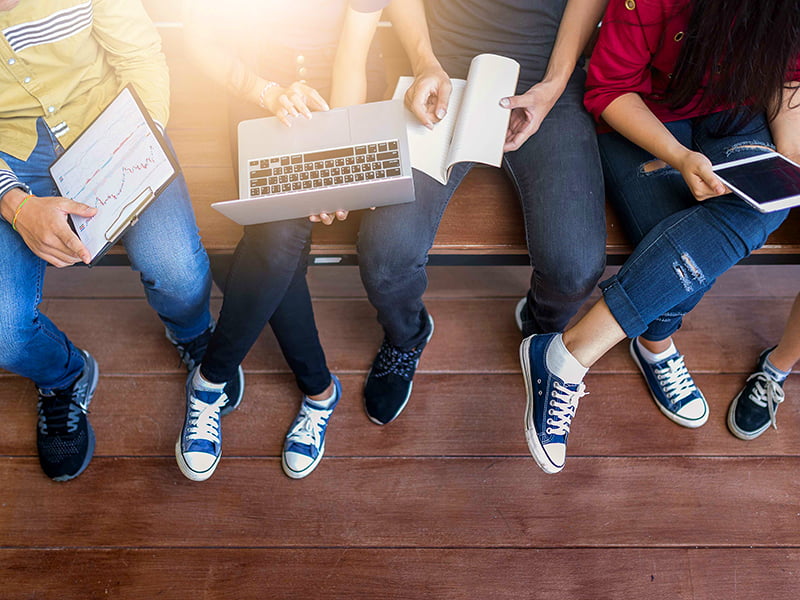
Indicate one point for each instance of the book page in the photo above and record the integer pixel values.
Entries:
(429, 148)
(110, 166)
(482, 122)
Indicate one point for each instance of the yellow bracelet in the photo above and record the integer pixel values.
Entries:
(19, 208)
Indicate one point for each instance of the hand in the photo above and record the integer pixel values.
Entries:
(42, 223)
(327, 218)
(429, 95)
(293, 101)
(527, 113)
(701, 179)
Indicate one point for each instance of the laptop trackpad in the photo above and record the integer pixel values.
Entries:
(324, 130)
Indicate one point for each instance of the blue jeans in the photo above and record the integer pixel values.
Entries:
(267, 282)
(682, 245)
(557, 176)
(164, 247)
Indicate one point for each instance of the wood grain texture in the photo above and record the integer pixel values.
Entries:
(380, 574)
(433, 503)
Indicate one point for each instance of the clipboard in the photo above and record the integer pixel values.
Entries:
(119, 164)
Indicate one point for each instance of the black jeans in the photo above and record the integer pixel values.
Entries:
(267, 283)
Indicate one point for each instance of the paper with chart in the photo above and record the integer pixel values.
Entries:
(474, 129)
(118, 165)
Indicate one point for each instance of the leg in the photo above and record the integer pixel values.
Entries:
(564, 215)
(393, 246)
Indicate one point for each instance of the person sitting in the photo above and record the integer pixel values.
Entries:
(64, 61)
(669, 78)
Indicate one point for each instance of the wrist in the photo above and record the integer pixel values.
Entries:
(426, 64)
(10, 201)
(265, 93)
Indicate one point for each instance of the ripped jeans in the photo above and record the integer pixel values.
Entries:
(682, 245)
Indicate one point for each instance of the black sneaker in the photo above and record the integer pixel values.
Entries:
(754, 408)
(192, 353)
(389, 381)
(65, 438)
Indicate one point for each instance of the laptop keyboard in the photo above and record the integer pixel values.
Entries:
(324, 169)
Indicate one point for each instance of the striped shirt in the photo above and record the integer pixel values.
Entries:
(64, 60)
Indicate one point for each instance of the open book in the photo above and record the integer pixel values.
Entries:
(474, 128)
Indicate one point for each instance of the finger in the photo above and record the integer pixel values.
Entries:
(326, 218)
(315, 99)
(314, 219)
(287, 104)
(74, 246)
(443, 99)
(283, 117)
(341, 215)
(417, 102)
(300, 105)
(711, 181)
(512, 102)
(77, 208)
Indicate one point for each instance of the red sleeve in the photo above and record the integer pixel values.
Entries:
(620, 63)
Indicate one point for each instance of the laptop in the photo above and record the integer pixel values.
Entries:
(343, 159)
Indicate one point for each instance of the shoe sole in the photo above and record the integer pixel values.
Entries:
(229, 408)
(305, 472)
(90, 431)
(188, 472)
(410, 387)
(739, 433)
(684, 422)
(534, 445)
(517, 310)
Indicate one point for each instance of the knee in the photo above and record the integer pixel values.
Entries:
(278, 243)
(385, 266)
(572, 281)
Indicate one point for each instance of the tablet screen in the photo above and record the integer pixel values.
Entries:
(764, 180)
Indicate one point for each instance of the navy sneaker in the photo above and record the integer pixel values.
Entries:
(390, 380)
(65, 438)
(754, 408)
(550, 407)
(192, 353)
(672, 388)
(305, 441)
(199, 446)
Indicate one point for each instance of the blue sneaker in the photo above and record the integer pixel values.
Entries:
(305, 441)
(199, 446)
(551, 404)
(192, 353)
(673, 388)
(755, 407)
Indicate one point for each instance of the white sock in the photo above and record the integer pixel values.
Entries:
(655, 358)
(561, 363)
(201, 383)
(324, 404)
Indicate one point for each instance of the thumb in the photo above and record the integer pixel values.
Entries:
(512, 102)
(77, 208)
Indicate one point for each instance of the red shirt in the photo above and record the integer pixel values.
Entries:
(637, 51)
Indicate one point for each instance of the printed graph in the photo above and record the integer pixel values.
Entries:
(110, 166)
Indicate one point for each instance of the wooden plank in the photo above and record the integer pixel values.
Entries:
(400, 503)
(378, 574)
(448, 415)
(472, 335)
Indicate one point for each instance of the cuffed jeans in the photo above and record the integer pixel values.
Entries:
(164, 247)
(682, 245)
(267, 282)
(557, 176)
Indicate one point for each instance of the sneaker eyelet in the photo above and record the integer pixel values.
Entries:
(540, 392)
(539, 381)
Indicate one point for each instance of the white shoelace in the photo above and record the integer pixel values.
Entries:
(204, 419)
(562, 408)
(308, 427)
(766, 393)
(675, 380)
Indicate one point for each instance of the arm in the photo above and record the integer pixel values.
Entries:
(133, 48)
(785, 127)
(577, 25)
(42, 223)
(429, 95)
(629, 115)
(349, 68)
(202, 21)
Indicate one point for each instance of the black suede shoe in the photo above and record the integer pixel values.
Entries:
(65, 438)
(755, 407)
(390, 379)
(192, 353)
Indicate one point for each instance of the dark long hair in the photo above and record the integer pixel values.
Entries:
(748, 47)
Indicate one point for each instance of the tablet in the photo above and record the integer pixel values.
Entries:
(767, 181)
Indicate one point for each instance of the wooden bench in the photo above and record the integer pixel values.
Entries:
(482, 225)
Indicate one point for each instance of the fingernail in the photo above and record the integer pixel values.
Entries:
(504, 102)
(441, 113)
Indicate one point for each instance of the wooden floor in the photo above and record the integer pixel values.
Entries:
(444, 503)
